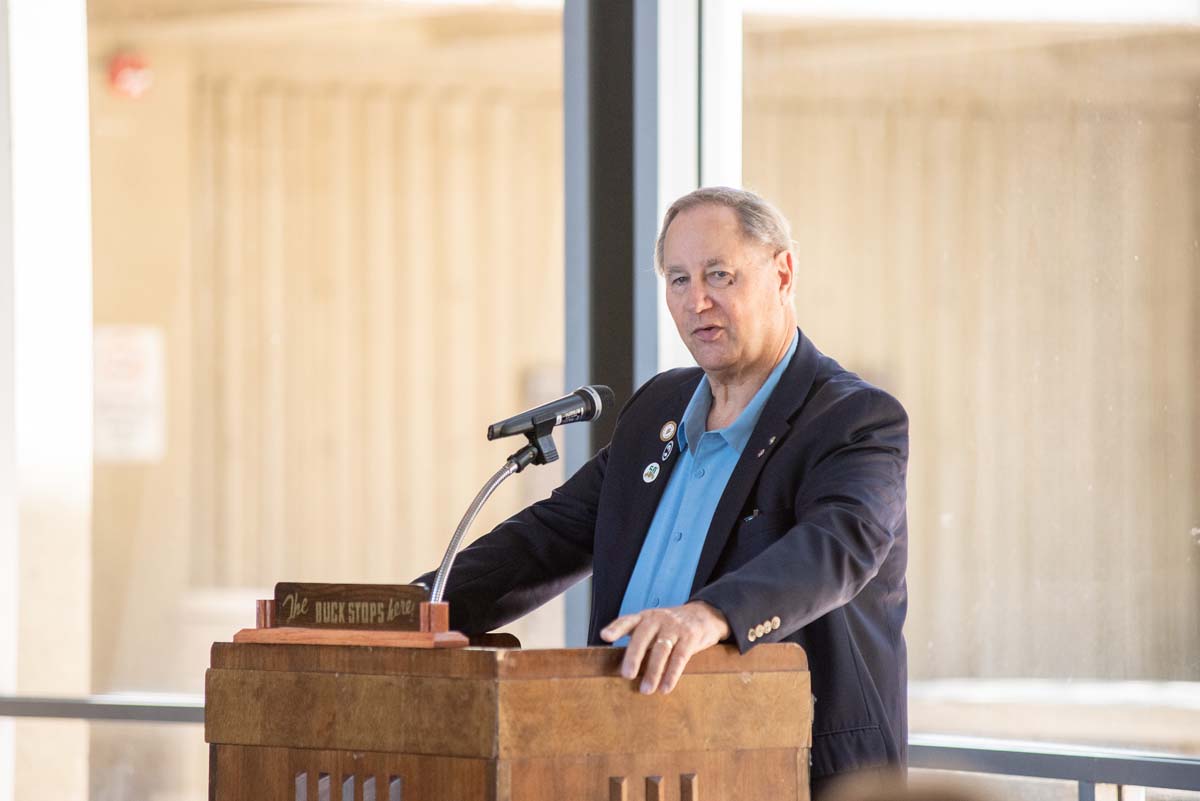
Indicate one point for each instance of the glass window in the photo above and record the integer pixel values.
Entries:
(996, 221)
(317, 230)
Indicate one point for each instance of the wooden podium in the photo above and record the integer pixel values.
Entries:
(354, 723)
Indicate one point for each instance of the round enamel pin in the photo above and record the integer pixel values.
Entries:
(651, 472)
(667, 432)
(666, 454)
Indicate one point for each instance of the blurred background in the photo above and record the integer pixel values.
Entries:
(315, 227)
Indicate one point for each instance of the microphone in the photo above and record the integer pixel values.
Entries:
(585, 403)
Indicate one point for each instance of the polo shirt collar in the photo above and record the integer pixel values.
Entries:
(737, 433)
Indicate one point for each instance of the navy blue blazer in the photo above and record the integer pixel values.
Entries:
(811, 529)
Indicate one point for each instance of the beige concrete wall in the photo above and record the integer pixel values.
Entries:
(998, 223)
(142, 184)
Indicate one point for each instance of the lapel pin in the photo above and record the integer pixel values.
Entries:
(667, 432)
(650, 473)
(666, 454)
(771, 441)
(761, 452)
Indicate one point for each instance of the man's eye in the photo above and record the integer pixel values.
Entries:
(679, 280)
(720, 278)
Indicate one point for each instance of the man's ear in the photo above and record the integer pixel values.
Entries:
(785, 270)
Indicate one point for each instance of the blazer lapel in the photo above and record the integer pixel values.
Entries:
(784, 403)
(643, 501)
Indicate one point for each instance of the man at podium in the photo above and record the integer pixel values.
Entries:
(758, 498)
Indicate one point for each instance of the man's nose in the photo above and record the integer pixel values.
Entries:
(697, 296)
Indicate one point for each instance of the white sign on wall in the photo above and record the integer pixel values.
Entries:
(130, 394)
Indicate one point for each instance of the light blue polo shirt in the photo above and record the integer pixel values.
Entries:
(666, 567)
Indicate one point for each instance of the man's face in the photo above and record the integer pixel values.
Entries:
(728, 297)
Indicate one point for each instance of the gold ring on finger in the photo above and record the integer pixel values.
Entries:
(667, 641)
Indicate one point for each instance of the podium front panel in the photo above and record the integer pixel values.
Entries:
(349, 723)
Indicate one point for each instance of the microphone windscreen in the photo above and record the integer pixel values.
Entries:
(606, 396)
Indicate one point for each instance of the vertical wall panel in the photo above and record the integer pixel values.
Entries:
(204, 562)
(416, 362)
(382, 408)
(384, 277)
(270, 525)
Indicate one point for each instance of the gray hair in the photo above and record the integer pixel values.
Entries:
(760, 221)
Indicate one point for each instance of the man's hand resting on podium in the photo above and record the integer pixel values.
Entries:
(666, 639)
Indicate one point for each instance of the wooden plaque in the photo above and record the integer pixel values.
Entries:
(374, 607)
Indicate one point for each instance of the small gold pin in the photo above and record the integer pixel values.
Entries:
(771, 441)
(667, 432)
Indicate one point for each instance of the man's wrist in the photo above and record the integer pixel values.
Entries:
(719, 621)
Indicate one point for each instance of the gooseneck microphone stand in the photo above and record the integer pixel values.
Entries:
(539, 450)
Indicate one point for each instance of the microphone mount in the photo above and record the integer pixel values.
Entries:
(540, 449)
(585, 403)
